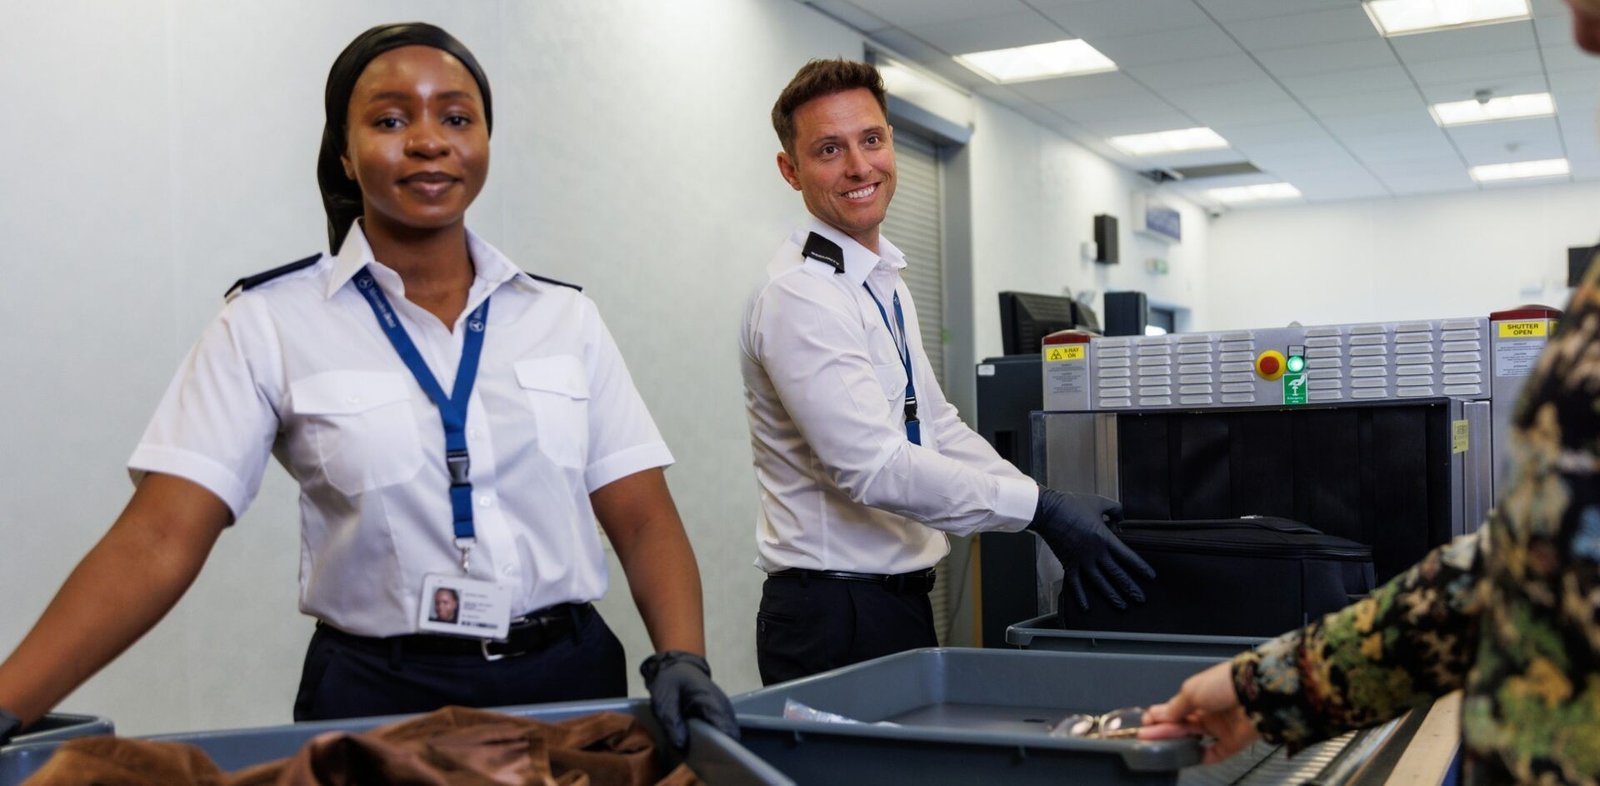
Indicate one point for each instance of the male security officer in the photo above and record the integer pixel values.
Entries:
(862, 463)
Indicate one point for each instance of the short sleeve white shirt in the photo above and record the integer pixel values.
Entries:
(298, 367)
(842, 488)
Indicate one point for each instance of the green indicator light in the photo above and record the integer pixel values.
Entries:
(1296, 364)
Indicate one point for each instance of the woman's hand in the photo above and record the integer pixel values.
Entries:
(1206, 705)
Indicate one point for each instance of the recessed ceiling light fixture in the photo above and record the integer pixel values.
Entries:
(1255, 193)
(1549, 167)
(1039, 61)
(1405, 17)
(1460, 113)
(1176, 141)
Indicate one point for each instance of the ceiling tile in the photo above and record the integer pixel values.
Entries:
(1414, 120)
(851, 14)
(1542, 8)
(993, 32)
(1227, 10)
(1415, 166)
(1584, 81)
(1447, 44)
(1114, 18)
(1323, 58)
(1355, 82)
(1563, 56)
(909, 13)
(1070, 88)
(1349, 23)
(1190, 43)
(1401, 146)
(1242, 136)
(1490, 65)
(1297, 152)
(1229, 95)
(1108, 108)
(1203, 72)
(1250, 114)
(1365, 103)
(1405, 185)
(1506, 85)
(1111, 125)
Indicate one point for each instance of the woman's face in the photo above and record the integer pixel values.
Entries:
(417, 143)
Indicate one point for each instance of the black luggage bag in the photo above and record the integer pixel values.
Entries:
(1251, 576)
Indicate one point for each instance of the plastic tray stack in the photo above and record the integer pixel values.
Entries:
(1045, 633)
(718, 760)
(60, 727)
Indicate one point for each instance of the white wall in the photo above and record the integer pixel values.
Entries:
(1034, 197)
(165, 149)
(1423, 257)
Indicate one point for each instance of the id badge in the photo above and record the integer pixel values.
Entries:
(459, 606)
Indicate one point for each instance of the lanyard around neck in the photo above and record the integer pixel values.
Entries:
(452, 408)
(913, 427)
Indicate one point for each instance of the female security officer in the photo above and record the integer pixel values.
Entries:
(453, 423)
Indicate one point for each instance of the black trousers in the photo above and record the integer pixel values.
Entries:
(806, 626)
(343, 678)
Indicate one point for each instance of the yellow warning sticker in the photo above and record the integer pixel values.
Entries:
(1530, 329)
(1458, 436)
(1058, 353)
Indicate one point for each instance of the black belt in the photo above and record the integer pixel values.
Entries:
(918, 582)
(529, 633)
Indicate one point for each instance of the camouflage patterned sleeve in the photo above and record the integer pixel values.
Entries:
(1406, 644)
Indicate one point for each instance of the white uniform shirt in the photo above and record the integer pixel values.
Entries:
(299, 367)
(841, 486)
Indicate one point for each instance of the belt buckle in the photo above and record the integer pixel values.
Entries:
(483, 646)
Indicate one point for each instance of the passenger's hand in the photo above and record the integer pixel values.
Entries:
(1073, 526)
(681, 688)
(1206, 705)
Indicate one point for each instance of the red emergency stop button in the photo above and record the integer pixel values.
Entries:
(1270, 365)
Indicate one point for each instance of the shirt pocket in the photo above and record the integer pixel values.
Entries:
(892, 378)
(557, 390)
(361, 427)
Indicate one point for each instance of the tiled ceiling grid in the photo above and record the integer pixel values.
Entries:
(1307, 90)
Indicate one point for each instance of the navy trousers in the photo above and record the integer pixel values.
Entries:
(808, 625)
(350, 678)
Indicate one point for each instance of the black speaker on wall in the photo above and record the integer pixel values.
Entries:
(1126, 313)
(1105, 239)
(1578, 259)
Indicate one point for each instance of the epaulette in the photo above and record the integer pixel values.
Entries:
(825, 251)
(537, 277)
(251, 282)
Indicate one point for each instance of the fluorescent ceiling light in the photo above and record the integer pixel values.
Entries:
(1549, 167)
(1460, 113)
(1176, 141)
(1404, 17)
(1254, 193)
(1039, 61)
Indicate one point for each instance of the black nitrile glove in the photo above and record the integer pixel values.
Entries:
(681, 688)
(1073, 526)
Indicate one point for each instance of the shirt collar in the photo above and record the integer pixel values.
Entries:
(859, 261)
(489, 265)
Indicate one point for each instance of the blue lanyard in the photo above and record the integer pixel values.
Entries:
(452, 408)
(913, 427)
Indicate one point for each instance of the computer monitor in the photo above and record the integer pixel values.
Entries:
(1026, 318)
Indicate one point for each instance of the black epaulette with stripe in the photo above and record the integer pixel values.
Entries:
(546, 280)
(251, 282)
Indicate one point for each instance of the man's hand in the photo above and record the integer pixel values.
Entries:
(681, 688)
(1206, 705)
(1073, 526)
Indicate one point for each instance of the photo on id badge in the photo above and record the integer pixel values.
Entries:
(459, 606)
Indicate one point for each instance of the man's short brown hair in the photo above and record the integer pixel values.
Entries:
(820, 78)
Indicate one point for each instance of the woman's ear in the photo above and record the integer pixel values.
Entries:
(349, 171)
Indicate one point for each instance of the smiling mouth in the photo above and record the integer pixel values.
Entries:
(862, 193)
